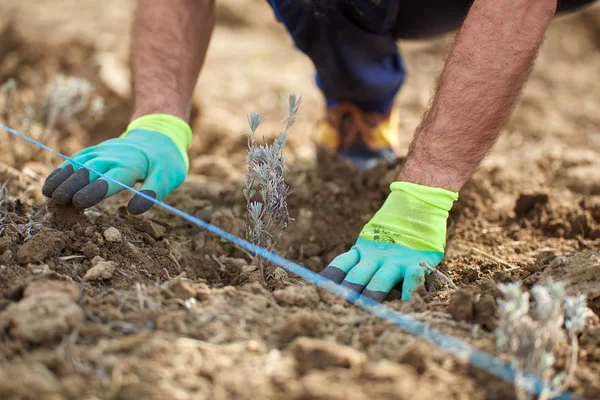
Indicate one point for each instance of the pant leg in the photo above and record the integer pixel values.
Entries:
(351, 45)
(420, 19)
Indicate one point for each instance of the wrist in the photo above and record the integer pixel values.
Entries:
(413, 215)
(174, 127)
(427, 173)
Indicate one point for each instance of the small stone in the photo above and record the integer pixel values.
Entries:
(101, 269)
(112, 235)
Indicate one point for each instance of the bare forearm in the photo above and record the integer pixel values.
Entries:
(169, 43)
(479, 86)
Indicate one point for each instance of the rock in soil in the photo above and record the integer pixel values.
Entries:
(41, 317)
(101, 269)
(112, 235)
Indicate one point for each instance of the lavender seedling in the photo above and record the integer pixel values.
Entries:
(529, 334)
(268, 216)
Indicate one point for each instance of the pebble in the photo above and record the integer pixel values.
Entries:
(101, 269)
(113, 235)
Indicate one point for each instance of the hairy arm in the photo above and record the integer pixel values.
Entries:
(169, 42)
(484, 74)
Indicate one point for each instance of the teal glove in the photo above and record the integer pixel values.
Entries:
(153, 150)
(410, 228)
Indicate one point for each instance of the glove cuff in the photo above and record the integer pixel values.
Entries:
(414, 216)
(171, 126)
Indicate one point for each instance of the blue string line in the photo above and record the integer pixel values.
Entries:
(450, 344)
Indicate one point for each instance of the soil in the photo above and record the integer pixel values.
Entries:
(104, 305)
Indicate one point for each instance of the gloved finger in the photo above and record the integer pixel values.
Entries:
(56, 178)
(361, 274)
(101, 188)
(62, 173)
(77, 181)
(414, 277)
(341, 265)
(384, 280)
(157, 185)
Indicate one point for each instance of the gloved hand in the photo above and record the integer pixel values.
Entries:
(153, 150)
(410, 228)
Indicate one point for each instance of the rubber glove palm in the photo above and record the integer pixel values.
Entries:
(153, 150)
(410, 228)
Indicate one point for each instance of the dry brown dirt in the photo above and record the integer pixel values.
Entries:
(103, 305)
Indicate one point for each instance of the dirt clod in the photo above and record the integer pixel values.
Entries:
(46, 243)
(41, 317)
(27, 381)
(36, 287)
(320, 354)
(527, 202)
(461, 305)
(182, 289)
(302, 324)
(299, 296)
(90, 250)
(156, 231)
(101, 269)
(417, 355)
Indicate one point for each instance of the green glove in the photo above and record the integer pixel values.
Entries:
(153, 150)
(410, 228)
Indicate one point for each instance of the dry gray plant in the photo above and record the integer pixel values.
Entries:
(530, 334)
(67, 97)
(268, 215)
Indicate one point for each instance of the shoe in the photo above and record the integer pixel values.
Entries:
(363, 138)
